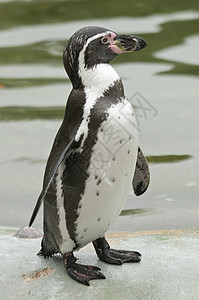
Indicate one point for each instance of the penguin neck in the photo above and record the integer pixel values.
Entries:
(98, 79)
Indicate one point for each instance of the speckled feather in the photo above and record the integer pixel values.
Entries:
(81, 201)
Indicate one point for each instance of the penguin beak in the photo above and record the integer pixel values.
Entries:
(127, 43)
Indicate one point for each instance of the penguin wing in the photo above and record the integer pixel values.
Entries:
(65, 153)
(141, 177)
(64, 143)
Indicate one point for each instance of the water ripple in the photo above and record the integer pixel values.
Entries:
(180, 53)
(62, 31)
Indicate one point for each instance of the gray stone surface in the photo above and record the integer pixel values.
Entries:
(169, 269)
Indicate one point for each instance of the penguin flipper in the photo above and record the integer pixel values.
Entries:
(141, 177)
(66, 152)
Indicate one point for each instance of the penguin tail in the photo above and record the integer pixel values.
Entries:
(41, 252)
(44, 251)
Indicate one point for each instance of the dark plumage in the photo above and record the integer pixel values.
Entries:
(81, 199)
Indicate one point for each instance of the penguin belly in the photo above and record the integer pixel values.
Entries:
(111, 172)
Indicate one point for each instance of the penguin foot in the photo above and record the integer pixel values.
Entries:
(81, 273)
(113, 256)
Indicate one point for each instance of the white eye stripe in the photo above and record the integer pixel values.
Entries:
(96, 37)
(95, 81)
(81, 54)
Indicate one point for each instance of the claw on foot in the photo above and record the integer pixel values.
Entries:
(81, 273)
(113, 256)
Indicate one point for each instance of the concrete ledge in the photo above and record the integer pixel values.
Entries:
(169, 269)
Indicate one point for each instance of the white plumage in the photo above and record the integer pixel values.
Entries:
(108, 185)
(91, 167)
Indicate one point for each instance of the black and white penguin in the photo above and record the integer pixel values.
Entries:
(95, 157)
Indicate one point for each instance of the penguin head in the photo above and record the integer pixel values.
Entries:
(92, 45)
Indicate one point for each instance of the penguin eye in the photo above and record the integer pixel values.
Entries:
(104, 40)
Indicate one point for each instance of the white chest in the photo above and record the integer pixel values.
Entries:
(111, 172)
(96, 82)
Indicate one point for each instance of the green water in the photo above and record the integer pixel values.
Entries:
(163, 78)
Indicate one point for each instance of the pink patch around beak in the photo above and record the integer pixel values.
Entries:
(113, 45)
(116, 49)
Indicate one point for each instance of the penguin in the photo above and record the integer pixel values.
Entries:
(95, 158)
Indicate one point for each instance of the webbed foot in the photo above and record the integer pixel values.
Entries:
(113, 256)
(81, 273)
